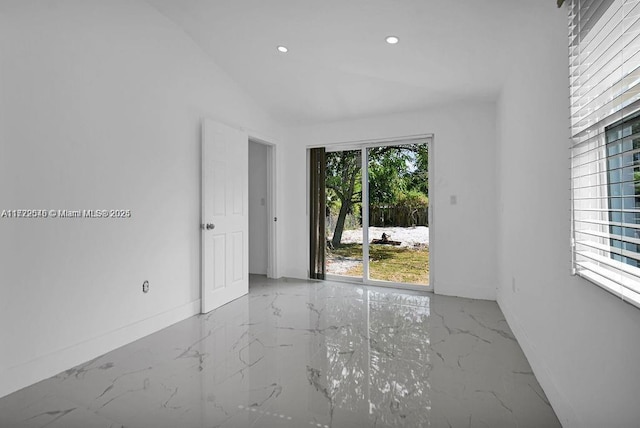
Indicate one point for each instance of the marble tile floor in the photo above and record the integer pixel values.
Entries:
(296, 354)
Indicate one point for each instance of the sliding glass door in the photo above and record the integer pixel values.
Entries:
(377, 213)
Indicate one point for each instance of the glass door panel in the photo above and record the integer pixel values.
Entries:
(398, 199)
(344, 213)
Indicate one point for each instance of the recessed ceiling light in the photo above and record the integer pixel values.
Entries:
(392, 40)
(283, 49)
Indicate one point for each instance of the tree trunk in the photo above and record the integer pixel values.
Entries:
(346, 205)
(337, 234)
(350, 168)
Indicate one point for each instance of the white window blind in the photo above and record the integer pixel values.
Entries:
(604, 66)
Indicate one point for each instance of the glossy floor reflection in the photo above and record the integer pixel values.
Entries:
(299, 354)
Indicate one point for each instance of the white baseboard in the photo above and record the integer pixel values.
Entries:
(23, 375)
(302, 274)
(467, 291)
(559, 403)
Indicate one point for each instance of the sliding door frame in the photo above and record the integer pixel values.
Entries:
(365, 146)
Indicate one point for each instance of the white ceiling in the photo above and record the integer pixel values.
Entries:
(339, 66)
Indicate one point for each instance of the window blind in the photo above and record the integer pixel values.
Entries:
(604, 76)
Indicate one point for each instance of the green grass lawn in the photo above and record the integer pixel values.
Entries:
(389, 263)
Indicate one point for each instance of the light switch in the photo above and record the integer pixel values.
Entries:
(262, 201)
(453, 199)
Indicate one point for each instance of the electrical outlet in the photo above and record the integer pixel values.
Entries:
(145, 287)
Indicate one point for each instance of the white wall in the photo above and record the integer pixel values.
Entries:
(100, 108)
(582, 342)
(464, 157)
(258, 224)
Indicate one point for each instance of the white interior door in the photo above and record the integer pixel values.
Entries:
(225, 226)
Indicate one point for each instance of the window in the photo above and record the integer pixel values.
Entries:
(604, 60)
(623, 169)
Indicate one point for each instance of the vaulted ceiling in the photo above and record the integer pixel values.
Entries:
(339, 65)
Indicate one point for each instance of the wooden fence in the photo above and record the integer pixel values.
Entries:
(384, 216)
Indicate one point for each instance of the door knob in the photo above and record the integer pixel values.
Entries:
(211, 226)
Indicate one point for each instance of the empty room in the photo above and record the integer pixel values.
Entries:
(295, 213)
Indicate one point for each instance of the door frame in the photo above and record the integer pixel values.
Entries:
(272, 216)
(395, 141)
